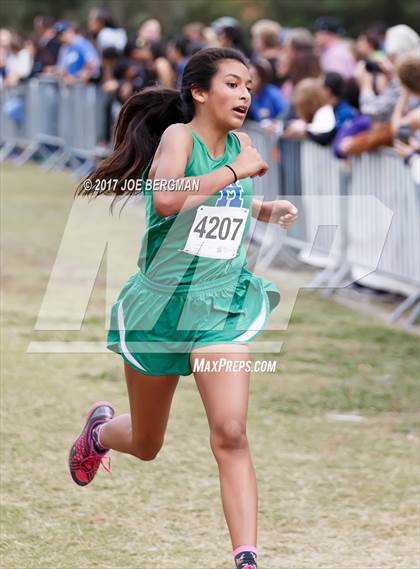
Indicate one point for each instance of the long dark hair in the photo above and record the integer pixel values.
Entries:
(146, 115)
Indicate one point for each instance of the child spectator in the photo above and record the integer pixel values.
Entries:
(349, 121)
(324, 116)
(334, 89)
(316, 116)
(267, 101)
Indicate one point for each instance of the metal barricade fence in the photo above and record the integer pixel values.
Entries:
(306, 171)
(374, 249)
(42, 105)
(85, 104)
(266, 188)
(320, 174)
(383, 175)
(266, 145)
(63, 123)
(289, 165)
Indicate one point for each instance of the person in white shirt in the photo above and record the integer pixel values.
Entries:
(105, 30)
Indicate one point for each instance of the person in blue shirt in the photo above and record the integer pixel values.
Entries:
(335, 92)
(349, 121)
(77, 58)
(267, 101)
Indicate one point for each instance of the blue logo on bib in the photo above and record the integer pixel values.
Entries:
(231, 196)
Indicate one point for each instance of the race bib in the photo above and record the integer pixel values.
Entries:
(216, 232)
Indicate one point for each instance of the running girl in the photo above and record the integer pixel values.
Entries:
(193, 295)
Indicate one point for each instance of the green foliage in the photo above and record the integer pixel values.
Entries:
(356, 15)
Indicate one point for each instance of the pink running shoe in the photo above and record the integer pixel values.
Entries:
(246, 560)
(84, 459)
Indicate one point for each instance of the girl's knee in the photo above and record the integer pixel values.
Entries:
(146, 448)
(229, 435)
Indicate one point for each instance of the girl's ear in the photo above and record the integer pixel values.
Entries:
(198, 94)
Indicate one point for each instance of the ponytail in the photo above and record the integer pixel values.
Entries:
(142, 120)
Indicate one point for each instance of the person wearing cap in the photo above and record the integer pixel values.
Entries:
(335, 55)
(77, 58)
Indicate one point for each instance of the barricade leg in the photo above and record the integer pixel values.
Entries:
(27, 154)
(414, 315)
(7, 150)
(412, 300)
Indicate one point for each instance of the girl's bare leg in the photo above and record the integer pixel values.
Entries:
(141, 432)
(225, 398)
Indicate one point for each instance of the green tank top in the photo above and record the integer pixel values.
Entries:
(162, 257)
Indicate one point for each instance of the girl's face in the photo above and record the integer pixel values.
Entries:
(229, 97)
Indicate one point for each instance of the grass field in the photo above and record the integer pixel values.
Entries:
(333, 494)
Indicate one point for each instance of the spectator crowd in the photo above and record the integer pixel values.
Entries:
(353, 94)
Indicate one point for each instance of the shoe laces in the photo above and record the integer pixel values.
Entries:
(93, 461)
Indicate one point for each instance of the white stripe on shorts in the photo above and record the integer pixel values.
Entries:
(255, 327)
(121, 329)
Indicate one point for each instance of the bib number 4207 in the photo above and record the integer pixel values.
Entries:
(216, 232)
(218, 228)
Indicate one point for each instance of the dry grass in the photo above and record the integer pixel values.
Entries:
(333, 495)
